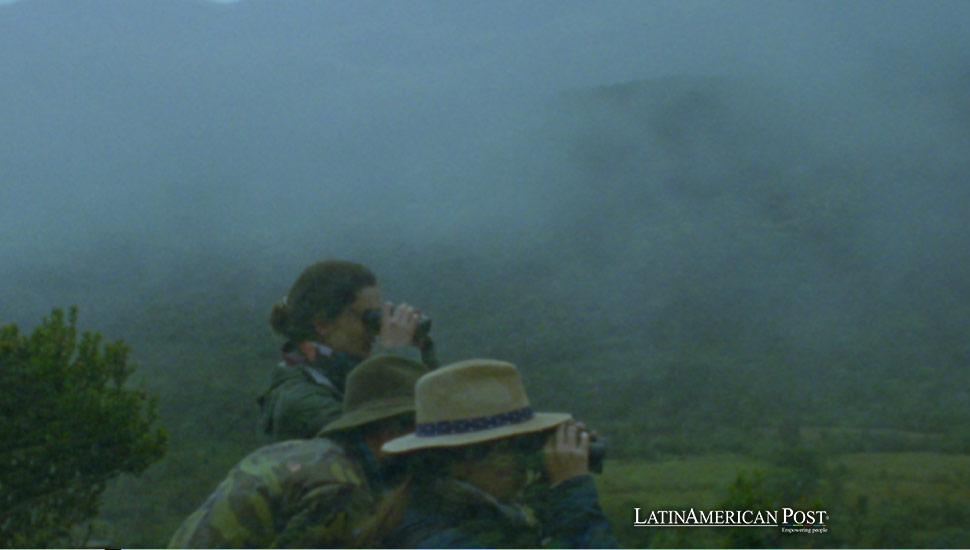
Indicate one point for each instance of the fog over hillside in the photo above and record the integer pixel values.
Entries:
(669, 214)
(613, 163)
(514, 140)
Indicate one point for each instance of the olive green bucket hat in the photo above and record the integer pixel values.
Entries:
(378, 388)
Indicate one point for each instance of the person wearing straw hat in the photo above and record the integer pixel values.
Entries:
(307, 493)
(475, 442)
(322, 318)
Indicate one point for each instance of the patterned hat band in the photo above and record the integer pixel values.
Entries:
(448, 427)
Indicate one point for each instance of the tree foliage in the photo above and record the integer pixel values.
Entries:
(67, 426)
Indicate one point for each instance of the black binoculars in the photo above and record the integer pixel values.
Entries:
(597, 454)
(372, 320)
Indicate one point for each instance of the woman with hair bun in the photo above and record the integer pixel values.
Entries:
(322, 319)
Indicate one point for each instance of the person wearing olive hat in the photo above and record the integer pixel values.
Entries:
(476, 439)
(311, 492)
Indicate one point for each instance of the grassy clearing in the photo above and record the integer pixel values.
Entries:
(889, 478)
(693, 480)
(912, 499)
(670, 484)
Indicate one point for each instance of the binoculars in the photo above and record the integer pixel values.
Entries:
(597, 453)
(372, 320)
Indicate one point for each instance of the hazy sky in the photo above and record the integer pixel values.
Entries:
(247, 123)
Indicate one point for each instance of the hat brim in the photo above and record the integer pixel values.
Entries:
(412, 442)
(366, 415)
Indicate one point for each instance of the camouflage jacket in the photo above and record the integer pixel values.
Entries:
(295, 494)
(303, 396)
(450, 514)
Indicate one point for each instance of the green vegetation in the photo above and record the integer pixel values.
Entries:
(874, 500)
(68, 425)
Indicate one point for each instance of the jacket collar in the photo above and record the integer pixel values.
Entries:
(293, 355)
(333, 365)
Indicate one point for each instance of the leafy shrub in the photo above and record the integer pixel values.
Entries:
(67, 426)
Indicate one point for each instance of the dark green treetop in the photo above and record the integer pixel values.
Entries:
(67, 426)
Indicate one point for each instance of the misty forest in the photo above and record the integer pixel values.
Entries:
(732, 237)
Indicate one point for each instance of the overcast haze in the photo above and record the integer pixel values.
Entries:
(138, 134)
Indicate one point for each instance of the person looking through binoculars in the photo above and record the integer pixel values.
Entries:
(476, 445)
(332, 319)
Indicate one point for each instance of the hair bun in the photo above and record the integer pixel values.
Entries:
(279, 317)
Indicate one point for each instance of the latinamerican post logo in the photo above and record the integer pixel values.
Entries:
(788, 519)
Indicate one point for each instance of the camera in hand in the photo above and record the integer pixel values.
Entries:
(372, 320)
(597, 454)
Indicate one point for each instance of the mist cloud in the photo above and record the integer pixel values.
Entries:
(154, 130)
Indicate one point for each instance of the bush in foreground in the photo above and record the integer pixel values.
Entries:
(67, 426)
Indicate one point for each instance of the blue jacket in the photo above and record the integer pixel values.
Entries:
(447, 513)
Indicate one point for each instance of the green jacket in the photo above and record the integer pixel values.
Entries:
(302, 396)
(306, 493)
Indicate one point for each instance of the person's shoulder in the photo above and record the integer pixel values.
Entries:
(301, 379)
(318, 459)
(435, 520)
(306, 450)
(282, 373)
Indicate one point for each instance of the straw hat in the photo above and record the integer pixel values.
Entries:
(378, 388)
(471, 402)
